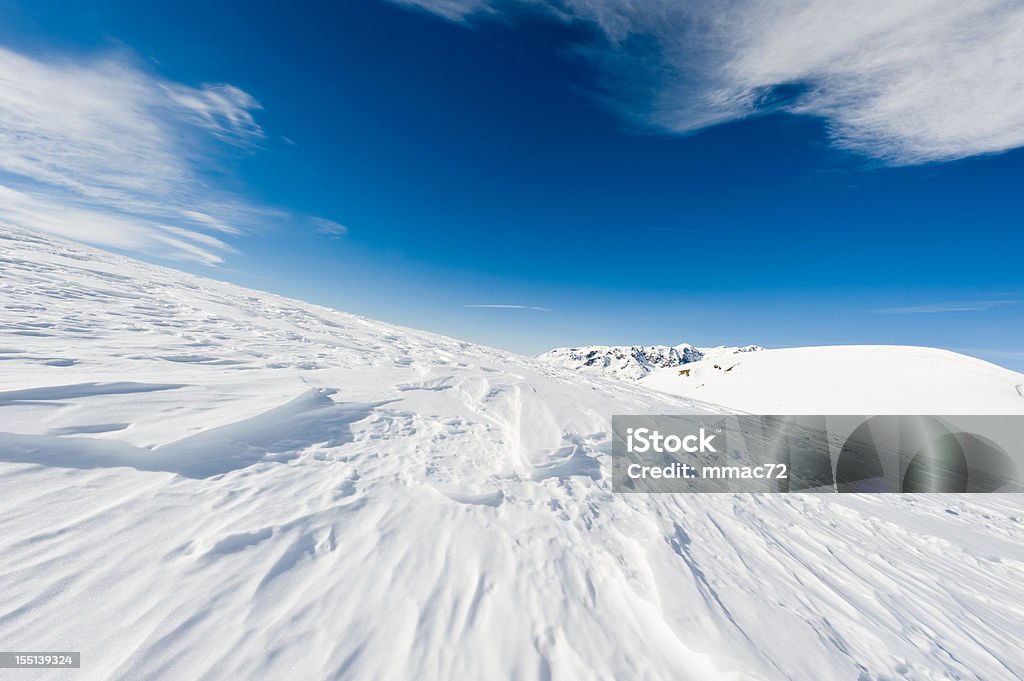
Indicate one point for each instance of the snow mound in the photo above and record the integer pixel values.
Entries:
(204, 481)
(851, 379)
(633, 362)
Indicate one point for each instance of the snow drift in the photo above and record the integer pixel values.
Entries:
(866, 379)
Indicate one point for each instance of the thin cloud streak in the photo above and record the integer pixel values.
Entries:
(941, 308)
(677, 230)
(454, 10)
(329, 228)
(511, 307)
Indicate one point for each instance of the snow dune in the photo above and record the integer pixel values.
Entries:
(868, 379)
(203, 481)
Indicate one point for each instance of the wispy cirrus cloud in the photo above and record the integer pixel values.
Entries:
(83, 221)
(941, 308)
(906, 82)
(101, 150)
(456, 10)
(536, 308)
(329, 228)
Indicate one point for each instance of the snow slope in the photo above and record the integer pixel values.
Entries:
(203, 481)
(633, 362)
(849, 380)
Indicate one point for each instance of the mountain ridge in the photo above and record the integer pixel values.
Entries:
(635, 362)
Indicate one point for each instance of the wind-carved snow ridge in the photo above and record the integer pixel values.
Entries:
(633, 362)
(203, 481)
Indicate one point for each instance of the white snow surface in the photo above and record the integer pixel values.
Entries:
(199, 481)
(633, 362)
(849, 379)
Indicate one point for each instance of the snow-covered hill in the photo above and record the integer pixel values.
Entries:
(849, 380)
(633, 362)
(203, 481)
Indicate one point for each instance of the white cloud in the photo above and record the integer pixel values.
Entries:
(456, 10)
(222, 109)
(330, 228)
(940, 308)
(102, 226)
(512, 307)
(907, 82)
(102, 151)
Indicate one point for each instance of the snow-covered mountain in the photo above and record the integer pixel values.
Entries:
(633, 362)
(203, 481)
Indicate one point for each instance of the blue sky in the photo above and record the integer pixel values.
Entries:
(531, 174)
